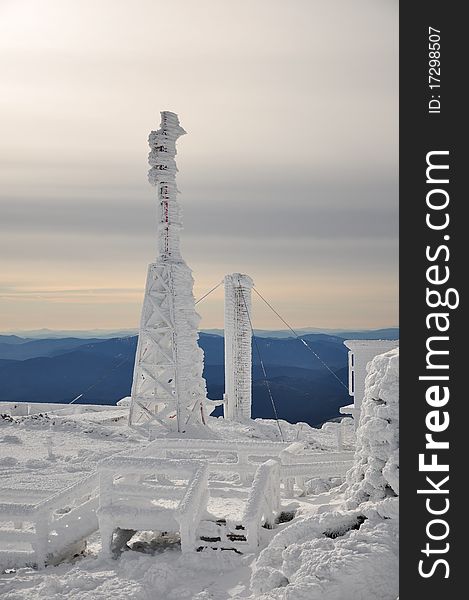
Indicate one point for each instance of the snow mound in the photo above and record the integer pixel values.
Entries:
(134, 576)
(319, 485)
(362, 563)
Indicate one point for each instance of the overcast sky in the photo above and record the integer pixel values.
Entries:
(288, 172)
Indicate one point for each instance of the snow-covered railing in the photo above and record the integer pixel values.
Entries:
(242, 450)
(310, 464)
(263, 502)
(192, 507)
(299, 473)
(297, 453)
(298, 465)
(130, 488)
(44, 530)
(22, 409)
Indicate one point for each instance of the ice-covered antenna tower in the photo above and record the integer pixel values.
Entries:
(238, 347)
(168, 387)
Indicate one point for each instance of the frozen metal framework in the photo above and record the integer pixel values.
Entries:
(238, 347)
(168, 387)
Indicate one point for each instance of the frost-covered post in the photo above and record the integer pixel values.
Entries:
(40, 543)
(361, 352)
(238, 347)
(168, 387)
(340, 437)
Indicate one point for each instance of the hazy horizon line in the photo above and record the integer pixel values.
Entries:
(136, 329)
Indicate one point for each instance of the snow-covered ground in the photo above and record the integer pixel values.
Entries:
(341, 543)
(47, 452)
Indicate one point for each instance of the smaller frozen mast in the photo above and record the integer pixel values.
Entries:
(162, 175)
(238, 351)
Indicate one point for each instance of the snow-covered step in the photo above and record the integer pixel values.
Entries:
(220, 535)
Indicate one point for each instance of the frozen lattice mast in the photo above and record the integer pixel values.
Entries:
(238, 347)
(168, 387)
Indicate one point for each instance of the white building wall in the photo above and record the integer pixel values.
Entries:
(238, 347)
(361, 352)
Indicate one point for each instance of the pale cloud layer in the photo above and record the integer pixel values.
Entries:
(289, 171)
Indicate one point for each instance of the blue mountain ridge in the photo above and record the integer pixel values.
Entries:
(59, 370)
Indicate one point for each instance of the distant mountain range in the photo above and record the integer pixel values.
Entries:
(60, 369)
(66, 333)
(390, 333)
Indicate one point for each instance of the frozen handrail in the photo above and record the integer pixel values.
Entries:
(263, 501)
(215, 445)
(143, 464)
(307, 464)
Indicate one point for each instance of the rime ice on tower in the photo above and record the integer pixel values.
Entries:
(168, 387)
(238, 350)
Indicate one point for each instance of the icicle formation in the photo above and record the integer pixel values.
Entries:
(163, 176)
(238, 347)
(168, 387)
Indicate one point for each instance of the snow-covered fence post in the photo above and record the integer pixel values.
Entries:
(40, 544)
(187, 543)
(50, 447)
(340, 436)
(275, 489)
(263, 500)
(106, 477)
(106, 529)
(243, 461)
(289, 457)
(289, 482)
(192, 506)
